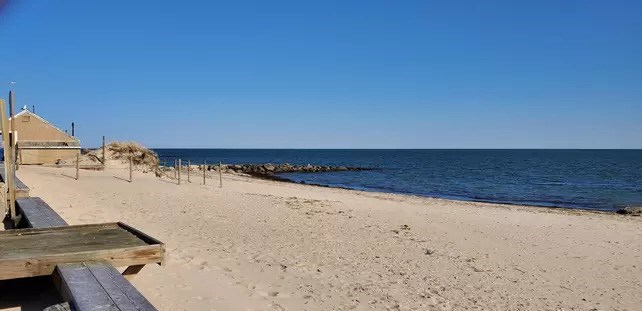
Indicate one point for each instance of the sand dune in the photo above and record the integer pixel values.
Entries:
(265, 245)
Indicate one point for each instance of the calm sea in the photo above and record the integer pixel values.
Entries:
(587, 179)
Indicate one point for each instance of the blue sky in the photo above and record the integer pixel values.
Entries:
(331, 74)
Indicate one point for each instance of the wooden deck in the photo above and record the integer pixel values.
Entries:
(36, 252)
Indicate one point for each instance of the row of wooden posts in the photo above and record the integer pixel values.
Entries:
(178, 164)
(177, 169)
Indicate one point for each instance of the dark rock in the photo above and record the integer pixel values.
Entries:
(630, 210)
(269, 169)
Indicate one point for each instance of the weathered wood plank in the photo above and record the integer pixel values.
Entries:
(123, 293)
(59, 240)
(38, 214)
(45, 265)
(58, 307)
(79, 286)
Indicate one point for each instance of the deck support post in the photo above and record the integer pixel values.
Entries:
(132, 271)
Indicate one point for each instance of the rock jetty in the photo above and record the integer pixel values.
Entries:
(269, 168)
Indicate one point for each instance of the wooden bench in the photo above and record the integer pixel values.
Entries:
(31, 252)
(22, 191)
(86, 286)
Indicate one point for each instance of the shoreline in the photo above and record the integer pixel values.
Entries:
(488, 203)
(545, 189)
(279, 178)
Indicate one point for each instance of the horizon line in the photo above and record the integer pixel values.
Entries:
(305, 148)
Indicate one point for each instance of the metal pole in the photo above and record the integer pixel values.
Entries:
(131, 164)
(12, 103)
(204, 168)
(14, 140)
(18, 153)
(189, 163)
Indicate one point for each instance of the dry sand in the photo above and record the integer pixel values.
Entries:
(265, 245)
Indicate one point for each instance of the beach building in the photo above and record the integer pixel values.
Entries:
(40, 142)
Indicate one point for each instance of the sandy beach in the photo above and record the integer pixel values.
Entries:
(266, 245)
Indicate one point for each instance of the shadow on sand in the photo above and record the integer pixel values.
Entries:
(123, 179)
(28, 294)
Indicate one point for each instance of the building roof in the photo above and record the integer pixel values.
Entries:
(33, 114)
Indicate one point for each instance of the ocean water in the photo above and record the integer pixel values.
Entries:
(586, 179)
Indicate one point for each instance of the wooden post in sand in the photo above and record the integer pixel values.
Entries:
(103, 150)
(179, 171)
(220, 174)
(175, 176)
(77, 166)
(204, 168)
(189, 163)
(131, 164)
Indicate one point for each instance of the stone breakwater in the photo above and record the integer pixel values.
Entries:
(268, 169)
(264, 171)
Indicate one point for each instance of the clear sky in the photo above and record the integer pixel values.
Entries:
(331, 74)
